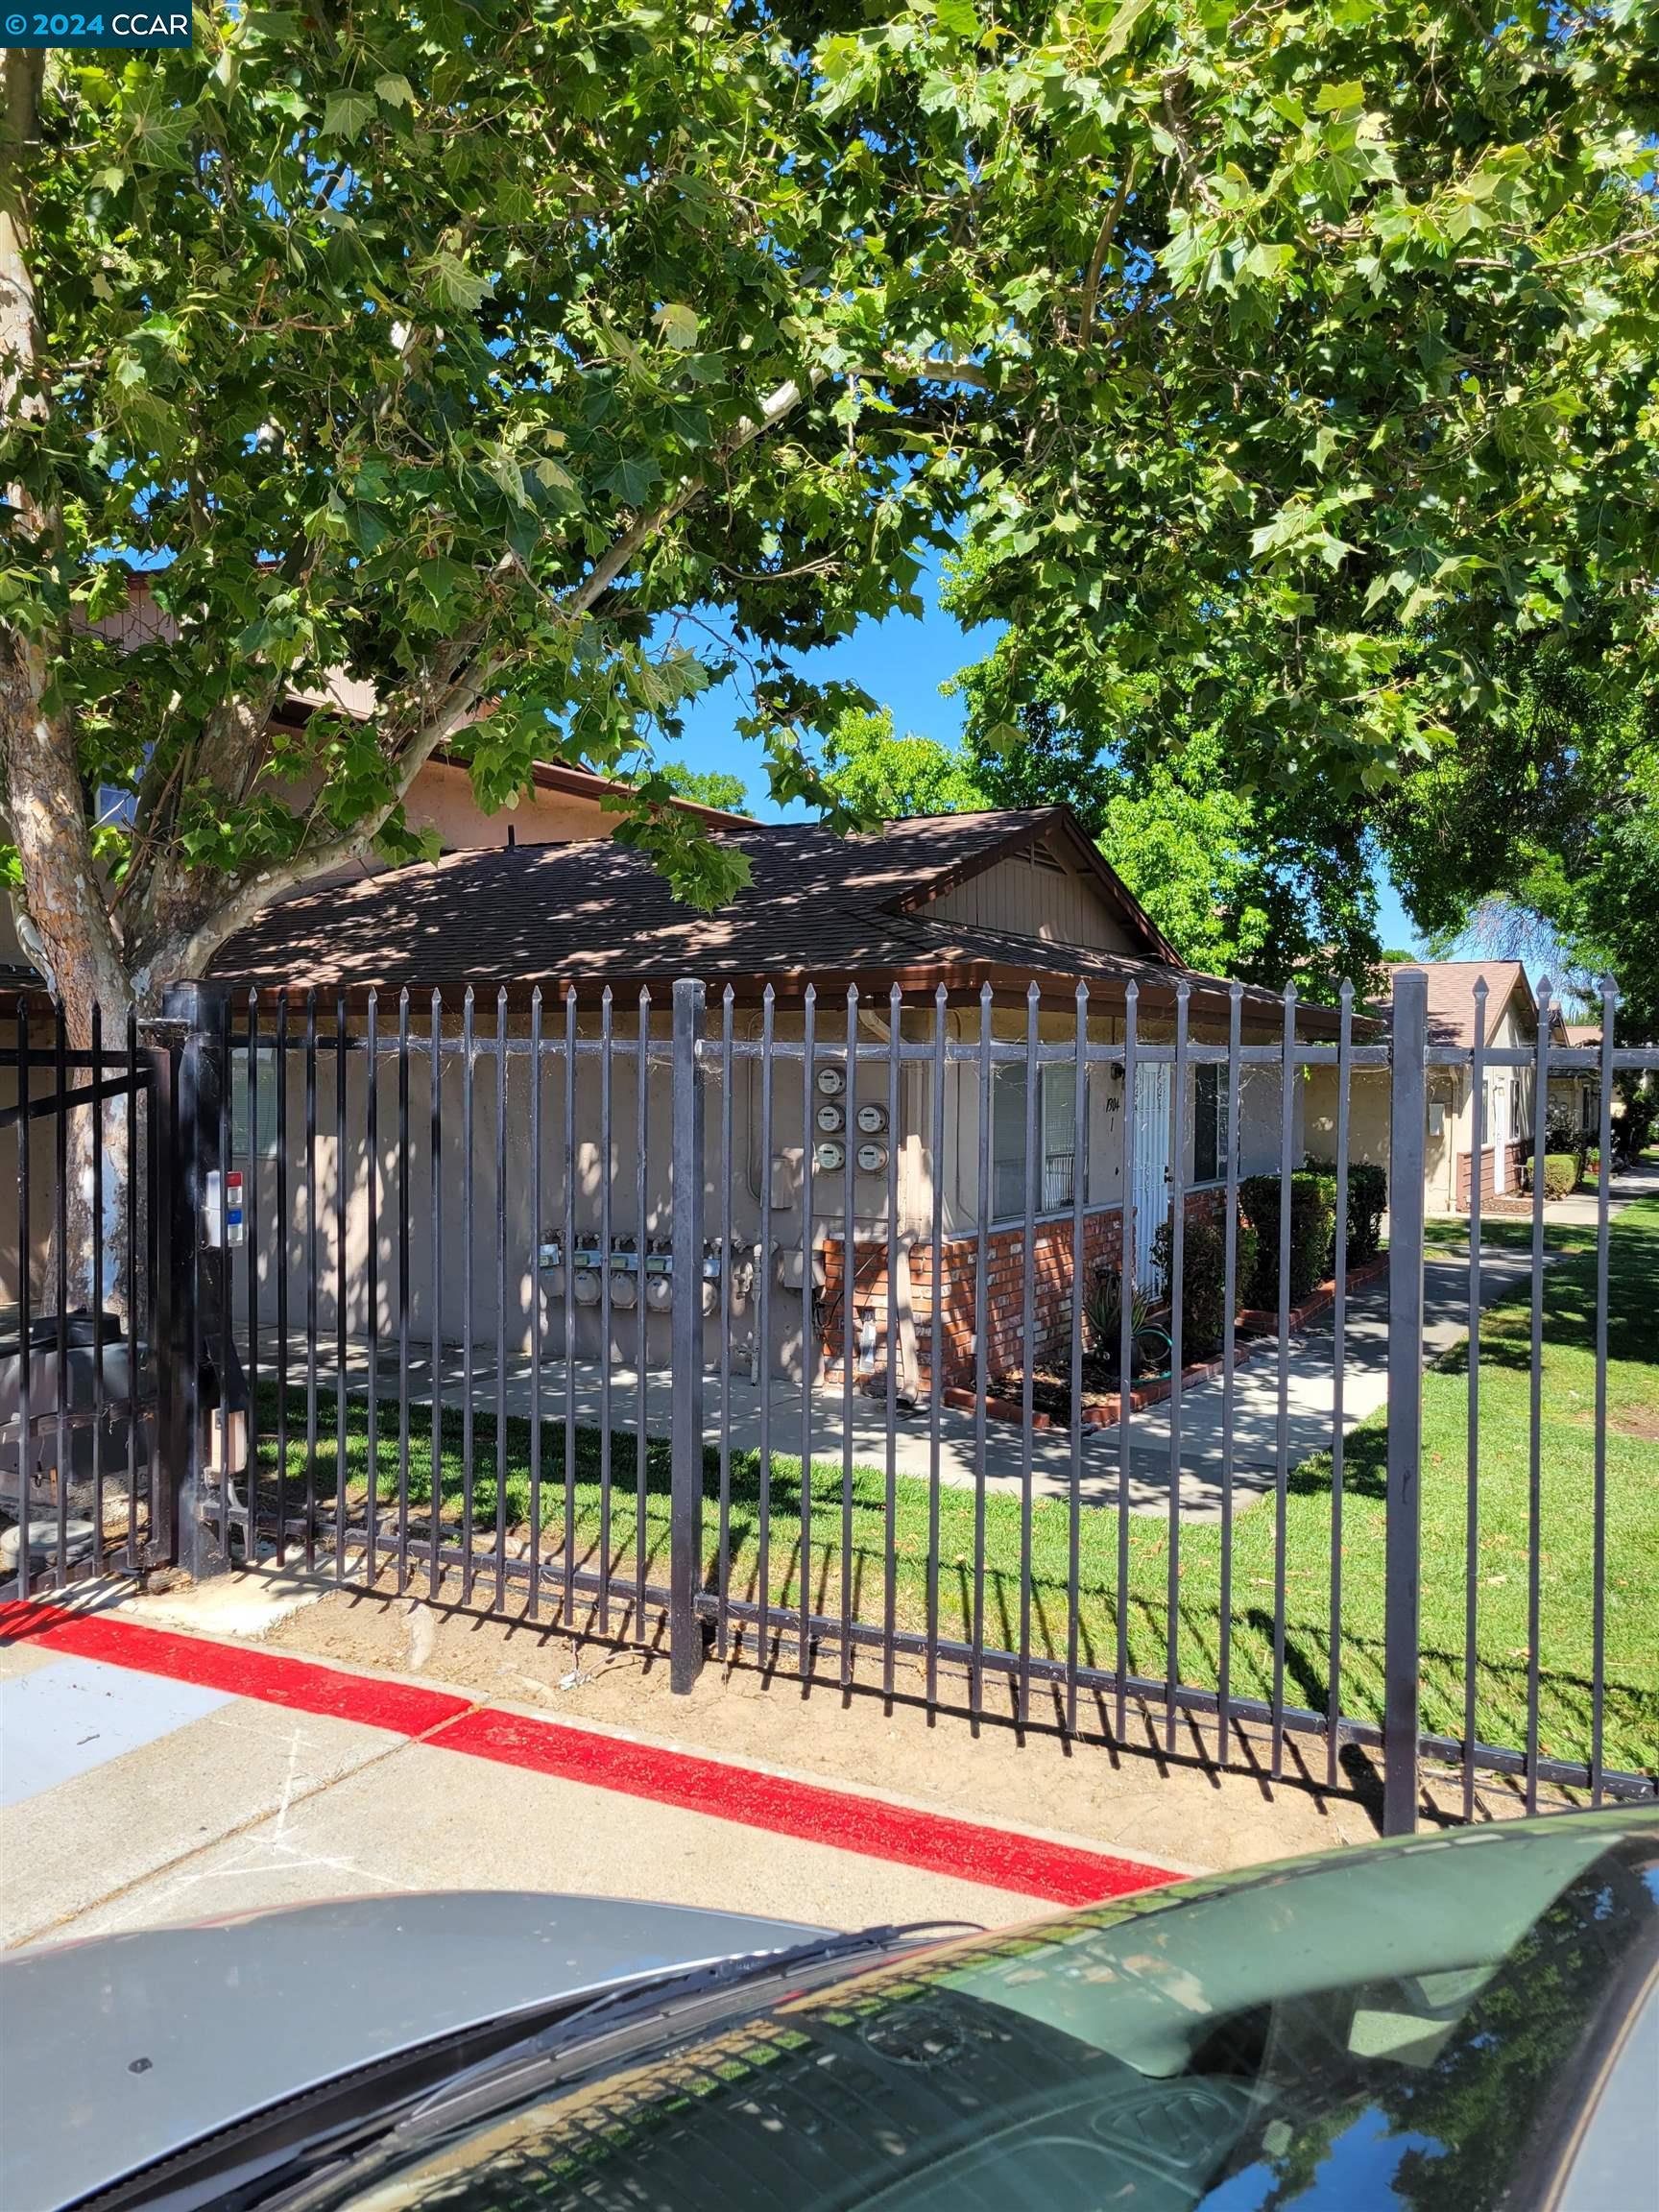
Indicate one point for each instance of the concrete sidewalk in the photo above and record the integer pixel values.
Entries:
(818, 1419)
(147, 1776)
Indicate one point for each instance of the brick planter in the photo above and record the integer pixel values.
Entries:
(1004, 1291)
(1105, 1408)
(1264, 1321)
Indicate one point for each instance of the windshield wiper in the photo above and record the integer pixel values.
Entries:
(552, 2047)
(662, 1998)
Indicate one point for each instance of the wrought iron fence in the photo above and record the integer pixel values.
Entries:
(720, 1324)
(78, 1492)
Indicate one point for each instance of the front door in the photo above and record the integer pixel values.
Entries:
(1152, 1173)
(1499, 1137)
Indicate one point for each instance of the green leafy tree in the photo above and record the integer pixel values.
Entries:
(533, 368)
(1356, 383)
(1269, 884)
(489, 362)
(1534, 832)
(707, 786)
(880, 777)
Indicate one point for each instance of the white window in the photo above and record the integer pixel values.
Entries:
(1056, 1139)
(265, 1103)
(1211, 1124)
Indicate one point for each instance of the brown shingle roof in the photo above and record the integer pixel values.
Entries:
(818, 907)
(1451, 996)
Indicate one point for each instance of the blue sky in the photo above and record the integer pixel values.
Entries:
(901, 662)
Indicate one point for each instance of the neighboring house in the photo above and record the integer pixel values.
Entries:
(1575, 1094)
(1496, 1129)
(938, 909)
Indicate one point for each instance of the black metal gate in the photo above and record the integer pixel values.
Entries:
(689, 1325)
(81, 1493)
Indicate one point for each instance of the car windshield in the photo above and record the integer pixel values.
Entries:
(1389, 2029)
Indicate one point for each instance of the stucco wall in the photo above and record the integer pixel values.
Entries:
(299, 1237)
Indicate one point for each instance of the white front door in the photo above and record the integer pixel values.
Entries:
(1151, 1183)
(1500, 1134)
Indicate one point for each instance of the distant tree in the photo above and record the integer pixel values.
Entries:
(1222, 874)
(1266, 884)
(884, 778)
(1532, 831)
(707, 786)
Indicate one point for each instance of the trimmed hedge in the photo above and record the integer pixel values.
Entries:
(1312, 1223)
(1204, 1280)
(1560, 1175)
(1367, 1202)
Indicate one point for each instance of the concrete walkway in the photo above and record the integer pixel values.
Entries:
(1305, 1380)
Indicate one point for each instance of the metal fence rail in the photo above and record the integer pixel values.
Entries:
(971, 1339)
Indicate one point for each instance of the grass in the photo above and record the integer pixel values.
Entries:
(1506, 1233)
(1631, 1713)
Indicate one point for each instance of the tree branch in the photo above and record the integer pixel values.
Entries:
(252, 893)
(1097, 259)
(624, 548)
(774, 409)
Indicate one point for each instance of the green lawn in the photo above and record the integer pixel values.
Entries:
(1632, 1696)
(1507, 1232)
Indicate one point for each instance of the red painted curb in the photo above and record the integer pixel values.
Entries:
(271, 1677)
(807, 1810)
(810, 1811)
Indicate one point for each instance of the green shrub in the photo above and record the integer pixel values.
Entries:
(1103, 1315)
(1562, 1133)
(1635, 1125)
(1204, 1280)
(1313, 1221)
(1560, 1173)
(1367, 1202)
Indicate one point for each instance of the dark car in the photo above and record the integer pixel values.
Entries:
(1447, 2025)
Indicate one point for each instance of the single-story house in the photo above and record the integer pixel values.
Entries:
(944, 904)
(1576, 1092)
(1498, 1128)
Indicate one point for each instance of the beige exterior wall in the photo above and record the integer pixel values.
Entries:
(308, 1255)
(443, 799)
(1451, 1134)
(1367, 1116)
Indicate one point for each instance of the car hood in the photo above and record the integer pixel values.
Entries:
(122, 2049)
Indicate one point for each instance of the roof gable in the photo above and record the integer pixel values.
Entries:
(1452, 997)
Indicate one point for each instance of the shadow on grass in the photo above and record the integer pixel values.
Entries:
(603, 1536)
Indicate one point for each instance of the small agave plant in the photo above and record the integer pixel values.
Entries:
(1103, 1315)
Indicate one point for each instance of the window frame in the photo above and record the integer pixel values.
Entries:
(1211, 1075)
(1008, 1101)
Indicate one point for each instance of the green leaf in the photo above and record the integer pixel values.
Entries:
(1128, 13)
(346, 114)
(633, 480)
(457, 287)
(678, 324)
